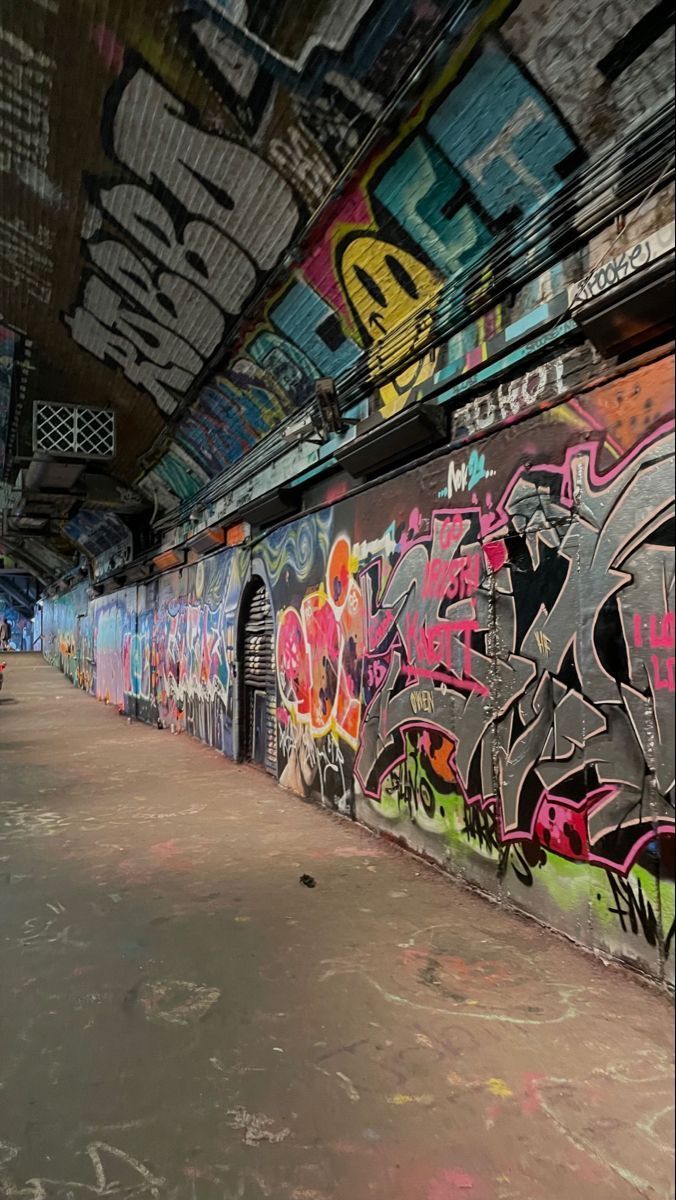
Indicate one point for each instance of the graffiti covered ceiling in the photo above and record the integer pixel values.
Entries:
(157, 162)
(160, 165)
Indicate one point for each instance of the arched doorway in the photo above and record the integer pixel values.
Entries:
(258, 689)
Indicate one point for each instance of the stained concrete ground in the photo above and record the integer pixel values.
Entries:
(181, 1018)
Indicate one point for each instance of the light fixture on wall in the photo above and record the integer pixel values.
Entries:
(206, 540)
(632, 315)
(380, 445)
(138, 572)
(168, 559)
(275, 505)
(321, 420)
(329, 418)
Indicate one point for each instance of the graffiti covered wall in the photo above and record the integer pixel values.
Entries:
(162, 652)
(22, 626)
(319, 653)
(476, 656)
(184, 649)
(519, 673)
(60, 630)
(513, 614)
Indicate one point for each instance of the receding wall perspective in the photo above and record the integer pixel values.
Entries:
(21, 627)
(475, 656)
(18, 593)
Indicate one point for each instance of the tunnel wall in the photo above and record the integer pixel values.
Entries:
(475, 656)
(22, 626)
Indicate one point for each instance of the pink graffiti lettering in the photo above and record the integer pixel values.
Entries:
(319, 651)
(452, 530)
(375, 673)
(454, 578)
(413, 674)
(661, 631)
(663, 674)
(437, 644)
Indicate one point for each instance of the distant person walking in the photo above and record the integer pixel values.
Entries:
(5, 633)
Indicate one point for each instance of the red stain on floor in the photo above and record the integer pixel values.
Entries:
(451, 967)
(453, 1185)
(530, 1097)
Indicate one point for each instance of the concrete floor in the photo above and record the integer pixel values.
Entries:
(181, 1018)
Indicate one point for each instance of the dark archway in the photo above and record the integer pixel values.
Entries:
(258, 691)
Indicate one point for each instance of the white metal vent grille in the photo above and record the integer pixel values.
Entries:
(73, 430)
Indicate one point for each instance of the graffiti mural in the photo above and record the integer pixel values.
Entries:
(318, 656)
(589, 777)
(476, 656)
(518, 683)
(63, 620)
(160, 324)
(113, 620)
(173, 254)
(194, 636)
(432, 207)
(422, 211)
(22, 626)
(418, 228)
(241, 198)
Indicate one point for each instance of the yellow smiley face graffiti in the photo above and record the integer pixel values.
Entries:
(385, 286)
